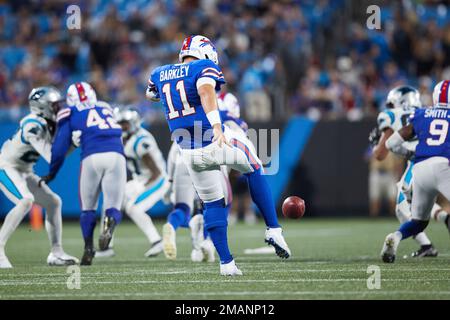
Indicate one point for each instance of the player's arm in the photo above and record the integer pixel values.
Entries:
(144, 152)
(396, 140)
(150, 163)
(33, 133)
(171, 160)
(60, 147)
(380, 151)
(208, 98)
(152, 91)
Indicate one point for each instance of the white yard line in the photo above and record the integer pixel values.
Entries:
(207, 270)
(196, 294)
(11, 283)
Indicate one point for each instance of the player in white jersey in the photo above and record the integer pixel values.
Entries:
(21, 185)
(401, 103)
(148, 182)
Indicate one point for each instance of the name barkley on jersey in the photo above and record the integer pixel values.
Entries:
(171, 74)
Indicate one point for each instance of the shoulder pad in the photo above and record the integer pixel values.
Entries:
(385, 119)
(104, 104)
(32, 118)
(143, 140)
(63, 114)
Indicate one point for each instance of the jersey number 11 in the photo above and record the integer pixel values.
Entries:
(187, 109)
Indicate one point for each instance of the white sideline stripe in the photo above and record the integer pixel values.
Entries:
(10, 283)
(197, 294)
(208, 271)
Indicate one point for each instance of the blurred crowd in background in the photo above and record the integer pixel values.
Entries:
(312, 57)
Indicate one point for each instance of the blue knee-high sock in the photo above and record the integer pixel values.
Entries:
(180, 216)
(412, 228)
(262, 197)
(219, 238)
(205, 231)
(87, 223)
(114, 213)
(216, 223)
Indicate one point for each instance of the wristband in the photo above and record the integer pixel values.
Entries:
(394, 141)
(214, 117)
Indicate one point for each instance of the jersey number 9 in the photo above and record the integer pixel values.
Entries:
(439, 128)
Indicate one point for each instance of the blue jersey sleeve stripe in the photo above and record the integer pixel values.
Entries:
(211, 70)
(210, 74)
(63, 114)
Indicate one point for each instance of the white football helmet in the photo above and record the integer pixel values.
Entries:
(129, 116)
(228, 102)
(403, 97)
(81, 94)
(199, 47)
(45, 102)
(441, 94)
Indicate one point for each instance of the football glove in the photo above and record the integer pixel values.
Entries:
(76, 138)
(46, 179)
(374, 136)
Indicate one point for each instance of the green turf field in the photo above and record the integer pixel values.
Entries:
(330, 260)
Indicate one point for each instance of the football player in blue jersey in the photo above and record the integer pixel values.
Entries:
(103, 165)
(401, 103)
(431, 170)
(188, 93)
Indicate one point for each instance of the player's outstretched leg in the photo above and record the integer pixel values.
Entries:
(407, 229)
(262, 197)
(88, 222)
(112, 218)
(12, 220)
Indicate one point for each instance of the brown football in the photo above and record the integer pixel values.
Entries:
(293, 207)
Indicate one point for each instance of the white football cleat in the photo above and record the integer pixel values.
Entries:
(390, 246)
(274, 237)
(156, 249)
(169, 242)
(208, 250)
(108, 253)
(230, 269)
(4, 262)
(197, 255)
(61, 259)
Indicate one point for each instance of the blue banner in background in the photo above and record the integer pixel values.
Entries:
(65, 184)
(293, 142)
